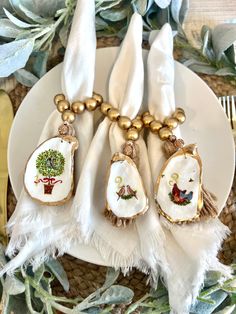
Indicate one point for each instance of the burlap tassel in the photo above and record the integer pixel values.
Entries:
(209, 208)
(117, 221)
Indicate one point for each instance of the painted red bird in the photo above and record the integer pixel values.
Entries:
(131, 192)
(180, 197)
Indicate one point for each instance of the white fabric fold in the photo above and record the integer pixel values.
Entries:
(191, 250)
(140, 244)
(38, 230)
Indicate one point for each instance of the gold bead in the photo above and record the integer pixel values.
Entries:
(139, 117)
(132, 134)
(180, 116)
(78, 107)
(164, 133)
(68, 116)
(58, 97)
(147, 120)
(146, 113)
(124, 122)
(98, 98)
(105, 107)
(113, 114)
(91, 104)
(155, 126)
(179, 109)
(137, 124)
(63, 105)
(172, 123)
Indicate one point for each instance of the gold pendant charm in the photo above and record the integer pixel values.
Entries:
(125, 196)
(48, 176)
(178, 190)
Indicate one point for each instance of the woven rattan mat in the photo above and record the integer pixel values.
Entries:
(86, 277)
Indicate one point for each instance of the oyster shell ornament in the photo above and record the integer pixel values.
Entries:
(49, 171)
(178, 192)
(125, 195)
(178, 189)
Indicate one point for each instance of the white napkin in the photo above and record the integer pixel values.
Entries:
(191, 249)
(118, 247)
(38, 230)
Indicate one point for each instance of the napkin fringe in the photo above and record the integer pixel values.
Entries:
(184, 292)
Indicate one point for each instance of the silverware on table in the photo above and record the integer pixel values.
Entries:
(6, 118)
(229, 105)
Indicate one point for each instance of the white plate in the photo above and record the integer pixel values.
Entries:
(206, 125)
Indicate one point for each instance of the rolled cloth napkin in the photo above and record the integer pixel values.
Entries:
(37, 231)
(191, 249)
(141, 243)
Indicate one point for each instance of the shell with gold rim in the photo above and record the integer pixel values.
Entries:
(48, 175)
(125, 196)
(178, 191)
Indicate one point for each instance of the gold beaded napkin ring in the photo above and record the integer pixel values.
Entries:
(49, 172)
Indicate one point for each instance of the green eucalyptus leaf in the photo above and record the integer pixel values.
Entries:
(204, 30)
(58, 271)
(14, 56)
(64, 33)
(16, 21)
(116, 295)
(175, 9)
(40, 59)
(223, 36)
(152, 18)
(13, 286)
(205, 69)
(115, 15)
(227, 310)
(183, 10)
(3, 260)
(4, 4)
(38, 274)
(101, 5)
(199, 308)
(44, 43)
(100, 23)
(231, 53)
(143, 6)
(17, 305)
(8, 29)
(226, 71)
(205, 43)
(212, 278)
(32, 16)
(111, 277)
(43, 8)
(162, 3)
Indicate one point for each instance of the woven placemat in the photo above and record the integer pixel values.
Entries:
(85, 277)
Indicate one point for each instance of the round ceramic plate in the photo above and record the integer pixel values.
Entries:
(206, 125)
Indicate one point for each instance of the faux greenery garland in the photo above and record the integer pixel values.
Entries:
(30, 28)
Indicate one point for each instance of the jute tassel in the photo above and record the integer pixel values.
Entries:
(131, 150)
(209, 208)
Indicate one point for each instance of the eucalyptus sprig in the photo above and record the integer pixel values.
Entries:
(216, 55)
(29, 29)
(30, 292)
